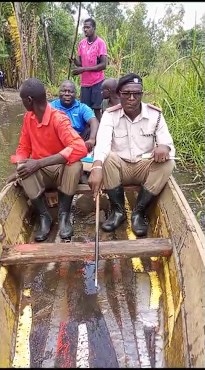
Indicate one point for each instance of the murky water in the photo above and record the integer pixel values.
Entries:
(10, 123)
(71, 324)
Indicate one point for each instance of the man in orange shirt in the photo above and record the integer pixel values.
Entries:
(48, 156)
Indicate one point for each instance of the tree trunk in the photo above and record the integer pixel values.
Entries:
(48, 49)
(23, 73)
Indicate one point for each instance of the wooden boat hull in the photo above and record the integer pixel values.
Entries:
(175, 286)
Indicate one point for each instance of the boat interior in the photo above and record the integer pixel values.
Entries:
(52, 315)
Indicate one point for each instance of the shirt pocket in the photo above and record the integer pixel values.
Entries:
(121, 139)
(147, 139)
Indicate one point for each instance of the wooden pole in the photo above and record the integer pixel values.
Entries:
(97, 215)
(75, 38)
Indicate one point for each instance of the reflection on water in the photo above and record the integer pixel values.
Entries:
(11, 117)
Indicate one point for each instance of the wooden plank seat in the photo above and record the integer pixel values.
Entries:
(52, 195)
(81, 251)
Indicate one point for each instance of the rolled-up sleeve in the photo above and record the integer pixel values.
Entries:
(75, 148)
(24, 149)
(164, 137)
(104, 137)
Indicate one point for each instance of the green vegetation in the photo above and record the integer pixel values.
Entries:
(36, 40)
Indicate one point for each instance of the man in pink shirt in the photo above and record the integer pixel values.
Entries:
(90, 64)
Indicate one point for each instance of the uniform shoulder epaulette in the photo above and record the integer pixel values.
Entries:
(154, 107)
(114, 108)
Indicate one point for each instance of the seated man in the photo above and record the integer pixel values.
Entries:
(82, 117)
(48, 156)
(110, 97)
(127, 132)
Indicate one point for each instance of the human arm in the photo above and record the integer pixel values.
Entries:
(165, 146)
(101, 151)
(74, 149)
(94, 124)
(76, 60)
(98, 67)
(89, 117)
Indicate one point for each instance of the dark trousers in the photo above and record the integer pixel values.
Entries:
(2, 82)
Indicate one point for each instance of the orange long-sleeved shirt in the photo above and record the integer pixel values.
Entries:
(52, 136)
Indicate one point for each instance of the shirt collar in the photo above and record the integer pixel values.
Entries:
(75, 104)
(144, 112)
(46, 116)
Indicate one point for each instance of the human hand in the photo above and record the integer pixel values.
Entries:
(161, 153)
(26, 167)
(95, 181)
(90, 143)
(71, 60)
(77, 71)
(12, 177)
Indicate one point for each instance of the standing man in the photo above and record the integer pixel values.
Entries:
(126, 132)
(90, 65)
(48, 156)
(2, 79)
(82, 117)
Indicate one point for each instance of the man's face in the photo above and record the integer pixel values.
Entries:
(67, 94)
(105, 91)
(130, 97)
(88, 29)
(27, 101)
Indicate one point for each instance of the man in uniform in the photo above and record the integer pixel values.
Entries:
(125, 134)
(48, 156)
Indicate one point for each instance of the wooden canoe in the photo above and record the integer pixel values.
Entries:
(149, 310)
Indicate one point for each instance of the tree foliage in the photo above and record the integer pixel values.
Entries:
(134, 42)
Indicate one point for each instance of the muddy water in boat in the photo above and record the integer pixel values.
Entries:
(73, 325)
(64, 321)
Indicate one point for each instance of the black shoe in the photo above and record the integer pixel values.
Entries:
(65, 227)
(138, 219)
(45, 219)
(118, 214)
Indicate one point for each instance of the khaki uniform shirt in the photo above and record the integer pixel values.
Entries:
(118, 133)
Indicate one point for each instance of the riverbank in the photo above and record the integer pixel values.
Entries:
(9, 95)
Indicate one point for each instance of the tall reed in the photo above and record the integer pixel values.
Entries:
(179, 90)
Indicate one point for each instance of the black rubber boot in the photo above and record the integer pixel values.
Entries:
(65, 227)
(117, 203)
(138, 219)
(45, 219)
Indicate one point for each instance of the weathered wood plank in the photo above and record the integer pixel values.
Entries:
(73, 251)
(85, 189)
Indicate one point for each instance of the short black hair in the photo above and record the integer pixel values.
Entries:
(34, 88)
(92, 21)
(68, 82)
(130, 77)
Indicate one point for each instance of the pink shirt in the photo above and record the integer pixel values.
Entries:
(89, 55)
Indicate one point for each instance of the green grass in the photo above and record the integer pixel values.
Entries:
(180, 92)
